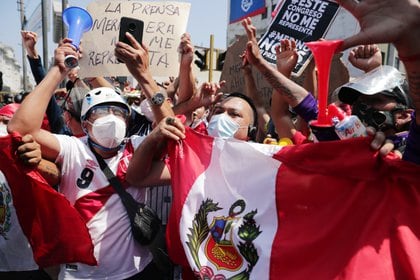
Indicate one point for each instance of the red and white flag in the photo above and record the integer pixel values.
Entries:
(53, 227)
(331, 210)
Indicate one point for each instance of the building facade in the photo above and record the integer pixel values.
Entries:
(11, 70)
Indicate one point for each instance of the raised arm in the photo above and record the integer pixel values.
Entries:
(366, 57)
(28, 118)
(136, 58)
(292, 92)
(29, 40)
(286, 59)
(187, 85)
(54, 112)
(252, 92)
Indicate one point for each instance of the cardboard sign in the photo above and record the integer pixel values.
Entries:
(302, 21)
(234, 77)
(164, 23)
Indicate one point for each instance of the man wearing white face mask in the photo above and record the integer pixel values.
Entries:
(104, 117)
(234, 117)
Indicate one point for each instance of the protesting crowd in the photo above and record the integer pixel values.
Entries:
(84, 159)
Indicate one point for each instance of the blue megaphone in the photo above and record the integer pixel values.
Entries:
(78, 21)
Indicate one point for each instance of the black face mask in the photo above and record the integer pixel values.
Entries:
(380, 120)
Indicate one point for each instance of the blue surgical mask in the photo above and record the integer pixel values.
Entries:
(223, 126)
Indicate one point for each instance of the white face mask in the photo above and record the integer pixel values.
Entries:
(146, 110)
(3, 129)
(222, 125)
(109, 131)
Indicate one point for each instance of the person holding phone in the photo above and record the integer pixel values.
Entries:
(134, 27)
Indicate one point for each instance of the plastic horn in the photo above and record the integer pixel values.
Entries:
(323, 52)
(78, 21)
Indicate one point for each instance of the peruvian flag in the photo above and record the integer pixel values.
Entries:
(54, 228)
(331, 210)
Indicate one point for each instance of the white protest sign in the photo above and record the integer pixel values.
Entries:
(302, 21)
(164, 23)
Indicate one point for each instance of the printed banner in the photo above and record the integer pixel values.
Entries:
(240, 9)
(164, 23)
(302, 21)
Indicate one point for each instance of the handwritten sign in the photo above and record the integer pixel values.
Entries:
(164, 23)
(302, 21)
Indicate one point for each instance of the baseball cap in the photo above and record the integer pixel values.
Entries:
(385, 80)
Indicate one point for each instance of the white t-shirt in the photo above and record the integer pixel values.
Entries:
(83, 183)
(15, 250)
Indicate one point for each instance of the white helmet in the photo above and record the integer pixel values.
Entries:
(101, 95)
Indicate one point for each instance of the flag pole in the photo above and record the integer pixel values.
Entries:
(211, 54)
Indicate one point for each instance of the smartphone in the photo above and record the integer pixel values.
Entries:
(133, 26)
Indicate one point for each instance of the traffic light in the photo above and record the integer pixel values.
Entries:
(220, 61)
(202, 62)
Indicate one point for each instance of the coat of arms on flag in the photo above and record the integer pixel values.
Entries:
(217, 243)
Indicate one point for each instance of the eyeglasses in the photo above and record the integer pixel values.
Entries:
(101, 111)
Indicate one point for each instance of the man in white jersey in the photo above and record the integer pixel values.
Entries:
(104, 118)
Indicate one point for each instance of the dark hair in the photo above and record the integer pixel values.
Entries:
(249, 101)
